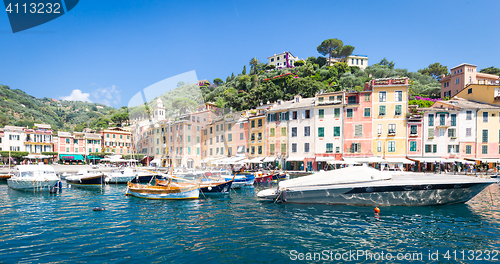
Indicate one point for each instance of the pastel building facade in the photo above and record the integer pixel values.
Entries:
(462, 76)
(390, 105)
(414, 132)
(485, 93)
(282, 60)
(328, 120)
(257, 133)
(301, 134)
(13, 139)
(360, 61)
(488, 132)
(277, 131)
(38, 139)
(71, 147)
(441, 132)
(236, 133)
(116, 140)
(358, 115)
(184, 138)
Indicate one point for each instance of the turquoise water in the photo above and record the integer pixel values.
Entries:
(63, 228)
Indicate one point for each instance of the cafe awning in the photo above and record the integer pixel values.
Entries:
(397, 160)
(295, 159)
(269, 159)
(256, 160)
(35, 156)
(485, 160)
(94, 157)
(327, 159)
(71, 157)
(373, 159)
(428, 159)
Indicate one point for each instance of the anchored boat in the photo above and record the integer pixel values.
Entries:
(34, 177)
(85, 177)
(171, 191)
(121, 177)
(361, 185)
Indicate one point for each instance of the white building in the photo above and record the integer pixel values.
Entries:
(282, 60)
(301, 132)
(360, 61)
(14, 138)
(328, 119)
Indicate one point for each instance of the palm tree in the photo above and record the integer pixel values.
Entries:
(254, 62)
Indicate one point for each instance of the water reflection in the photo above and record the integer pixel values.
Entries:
(235, 227)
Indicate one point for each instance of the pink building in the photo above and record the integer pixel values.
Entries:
(463, 75)
(71, 148)
(241, 136)
(358, 124)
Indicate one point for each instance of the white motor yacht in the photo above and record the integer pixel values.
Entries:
(361, 185)
(122, 176)
(34, 177)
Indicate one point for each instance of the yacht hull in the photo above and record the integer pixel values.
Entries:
(215, 188)
(87, 180)
(395, 195)
(28, 185)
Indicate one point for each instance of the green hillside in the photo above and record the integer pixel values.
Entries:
(263, 83)
(21, 109)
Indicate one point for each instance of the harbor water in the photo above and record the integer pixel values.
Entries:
(237, 228)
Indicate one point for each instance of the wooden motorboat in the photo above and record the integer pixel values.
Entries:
(171, 191)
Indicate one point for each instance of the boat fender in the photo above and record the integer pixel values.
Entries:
(98, 208)
(283, 196)
(60, 184)
(209, 188)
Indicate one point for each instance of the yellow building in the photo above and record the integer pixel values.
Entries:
(390, 105)
(257, 133)
(485, 93)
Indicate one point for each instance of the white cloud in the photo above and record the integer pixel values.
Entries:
(109, 96)
(77, 95)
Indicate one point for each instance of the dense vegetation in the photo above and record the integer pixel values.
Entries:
(246, 91)
(20, 109)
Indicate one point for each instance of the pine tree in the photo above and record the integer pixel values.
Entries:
(244, 72)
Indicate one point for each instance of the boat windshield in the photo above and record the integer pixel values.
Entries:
(27, 174)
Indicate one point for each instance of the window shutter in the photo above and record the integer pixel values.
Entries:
(275, 116)
(287, 115)
(303, 114)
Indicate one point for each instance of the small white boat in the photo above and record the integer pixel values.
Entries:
(361, 185)
(122, 176)
(34, 177)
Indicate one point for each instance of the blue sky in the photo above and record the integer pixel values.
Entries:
(108, 51)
